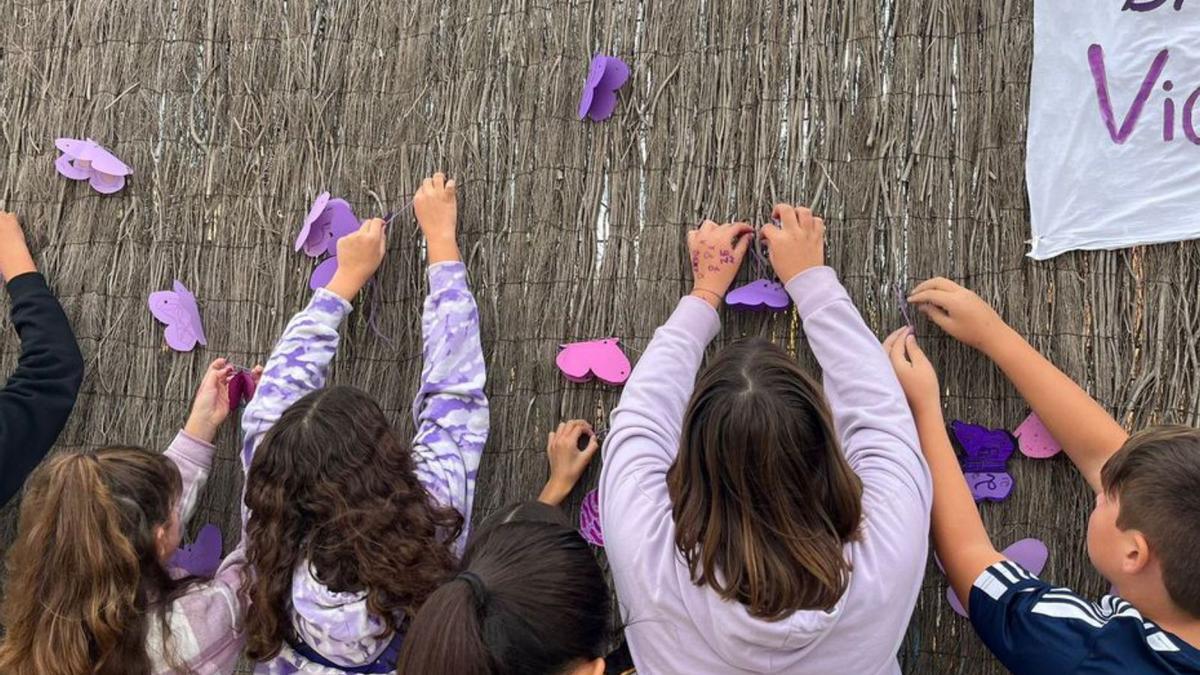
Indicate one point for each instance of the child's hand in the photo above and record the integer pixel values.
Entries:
(716, 252)
(359, 254)
(959, 312)
(211, 405)
(14, 254)
(916, 374)
(797, 243)
(567, 461)
(436, 206)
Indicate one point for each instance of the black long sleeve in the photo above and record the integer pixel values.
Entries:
(39, 397)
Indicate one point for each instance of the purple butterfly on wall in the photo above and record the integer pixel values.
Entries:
(1031, 554)
(178, 310)
(202, 557)
(85, 159)
(759, 295)
(985, 459)
(589, 519)
(606, 75)
(328, 220)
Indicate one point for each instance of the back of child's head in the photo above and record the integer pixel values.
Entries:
(332, 483)
(763, 499)
(531, 600)
(1155, 478)
(84, 571)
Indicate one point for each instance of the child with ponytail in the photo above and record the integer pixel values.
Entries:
(89, 591)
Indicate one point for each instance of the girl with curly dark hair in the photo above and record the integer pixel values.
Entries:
(350, 531)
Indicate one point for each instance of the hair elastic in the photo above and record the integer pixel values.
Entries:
(477, 587)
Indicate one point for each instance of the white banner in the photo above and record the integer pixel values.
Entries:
(1114, 124)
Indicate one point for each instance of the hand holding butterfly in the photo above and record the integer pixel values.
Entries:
(567, 461)
(436, 206)
(797, 243)
(359, 254)
(15, 259)
(716, 252)
(211, 407)
(916, 374)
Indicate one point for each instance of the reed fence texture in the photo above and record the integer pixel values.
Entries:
(903, 122)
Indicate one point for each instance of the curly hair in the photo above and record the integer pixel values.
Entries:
(84, 577)
(333, 484)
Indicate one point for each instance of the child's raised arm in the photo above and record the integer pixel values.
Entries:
(961, 542)
(1088, 434)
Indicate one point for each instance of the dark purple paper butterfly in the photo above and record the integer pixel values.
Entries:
(606, 75)
(241, 389)
(589, 519)
(985, 460)
(202, 557)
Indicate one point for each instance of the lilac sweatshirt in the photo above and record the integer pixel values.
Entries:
(672, 625)
(451, 414)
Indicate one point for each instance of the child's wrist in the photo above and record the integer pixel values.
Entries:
(200, 430)
(554, 492)
(442, 249)
(346, 284)
(711, 297)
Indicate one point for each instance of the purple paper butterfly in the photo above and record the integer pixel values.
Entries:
(1031, 554)
(759, 295)
(327, 221)
(606, 75)
(202, 557)
(985, 460)
(589, 519)
(86, 160)
(178, 309)
(241, 389)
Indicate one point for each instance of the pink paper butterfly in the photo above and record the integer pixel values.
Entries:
(1030, 553)
(589, 519)
(1034, 439)
(178, 309)
(86, 160)
(241, 389)
(579, 361)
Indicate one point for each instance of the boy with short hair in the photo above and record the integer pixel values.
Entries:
(1143, 535)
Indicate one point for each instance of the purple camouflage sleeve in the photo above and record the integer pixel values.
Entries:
(451, 409)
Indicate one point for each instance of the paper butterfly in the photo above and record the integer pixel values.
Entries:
(202, 557)
(178, 309)
(1035, 440)
(86, 160)
(1028, 553)
(985, 460)
(579, 361)
(606, 75)
(327, 221)
(589, 519)
(762, 294)
(241, 389)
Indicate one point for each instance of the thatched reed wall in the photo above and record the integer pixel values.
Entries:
(902, 121)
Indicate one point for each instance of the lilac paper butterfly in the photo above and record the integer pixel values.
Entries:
(178, 309)
(606, 75)
(241, 389)
(1035, 440)
(579, 361)
(202, 557)
(1031, 554)
(327, 221)
(985, 460)
(589, 519)
(762, 294)
(86, 160)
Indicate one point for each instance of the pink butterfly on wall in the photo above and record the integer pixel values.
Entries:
(603, 359)
(589, 519)
(86, 160)
(1034, 439)
(1030, 553)
(178, 310)
(328, 220)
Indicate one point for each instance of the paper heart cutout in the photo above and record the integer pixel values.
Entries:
(241, 389)
(580, 361)
(589, 519)
(202, 557)
(178, 310)
(85, 159)
(327, 221)
(759, 295)
(985, 459)
(1030, 553)
(606, 75)
(1035, 440)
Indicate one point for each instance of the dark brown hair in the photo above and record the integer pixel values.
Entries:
(332, 483)
(84, 578)
(763, 498)
(531, 600)
(1156, 478)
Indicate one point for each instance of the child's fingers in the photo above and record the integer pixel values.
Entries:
(932, 296)
(892, 337)
(439, 181)
(427, 185)
(588, 452)
(256, 373)
(804, 216)
(217, 364)
(938, 284)
(914, 352)
(818, 226)
(896, 353)
(451, 186)
(743, 244)
(935, 314)
(786, 215)
(707, 225)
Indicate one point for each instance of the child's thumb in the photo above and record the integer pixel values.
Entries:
(916, 355)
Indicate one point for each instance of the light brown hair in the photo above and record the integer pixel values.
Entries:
(1156, 479)
(763, 499)
(84, 579)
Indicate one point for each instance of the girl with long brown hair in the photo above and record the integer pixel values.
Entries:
(350, 529)
(89, 588)
(754, 521)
